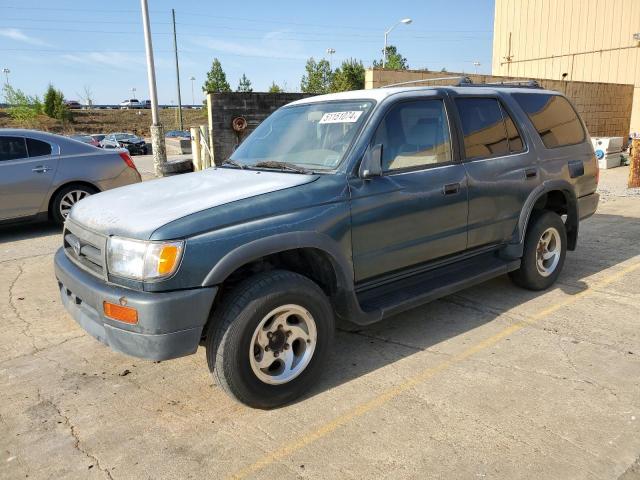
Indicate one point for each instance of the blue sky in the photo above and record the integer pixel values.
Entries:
(74, 44)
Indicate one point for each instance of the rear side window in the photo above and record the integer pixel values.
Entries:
(38, 148)
(484, 131)
(12, 148)
(515, 140)
(553, 117)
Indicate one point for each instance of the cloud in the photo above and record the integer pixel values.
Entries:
(271, 46)
(123, 61)
(19, 36)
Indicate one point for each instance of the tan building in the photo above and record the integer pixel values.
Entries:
(579, 40)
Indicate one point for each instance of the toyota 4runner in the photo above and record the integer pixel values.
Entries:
(347, 207)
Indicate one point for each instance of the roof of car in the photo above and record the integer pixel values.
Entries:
(379, 94)
(24, 132)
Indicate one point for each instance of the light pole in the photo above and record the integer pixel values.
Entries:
(193, 97)
(133, 92)
(330, 52)
(405, 21)
(6, 72)
(157, 134)
(476, 64)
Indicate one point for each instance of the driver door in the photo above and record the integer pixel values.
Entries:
(416, 211)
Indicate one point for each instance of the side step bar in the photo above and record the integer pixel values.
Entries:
(396, 297)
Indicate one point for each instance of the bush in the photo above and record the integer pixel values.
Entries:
(22, 107)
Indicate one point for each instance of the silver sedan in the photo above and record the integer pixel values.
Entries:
(43, 175)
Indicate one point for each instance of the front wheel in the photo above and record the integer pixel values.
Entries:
(545, 248)
(268, 342)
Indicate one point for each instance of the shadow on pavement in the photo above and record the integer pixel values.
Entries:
(25, 231)
(605, 241)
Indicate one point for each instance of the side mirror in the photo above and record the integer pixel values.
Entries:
(371, 165)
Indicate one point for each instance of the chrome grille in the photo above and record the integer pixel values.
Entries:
(85, 248)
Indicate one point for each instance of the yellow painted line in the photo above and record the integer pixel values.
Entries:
(393, 392)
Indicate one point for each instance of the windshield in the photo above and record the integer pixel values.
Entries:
(124, 136)
(314, 136)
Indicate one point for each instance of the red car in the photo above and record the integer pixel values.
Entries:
(88, 139)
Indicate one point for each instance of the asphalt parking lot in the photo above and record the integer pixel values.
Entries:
(493, 382)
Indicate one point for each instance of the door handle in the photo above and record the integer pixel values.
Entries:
(451, 189)
(40, 169)
(531, 173)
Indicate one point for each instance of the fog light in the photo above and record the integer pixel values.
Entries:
(120, 313)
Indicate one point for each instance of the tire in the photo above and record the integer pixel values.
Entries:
(67, 197)
(252, 311)
(537, 272)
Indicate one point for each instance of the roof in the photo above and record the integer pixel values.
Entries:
(379, 94)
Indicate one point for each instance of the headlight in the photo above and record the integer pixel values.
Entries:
(143, 260)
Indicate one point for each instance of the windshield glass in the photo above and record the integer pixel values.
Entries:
(314, 136)
(124, 136)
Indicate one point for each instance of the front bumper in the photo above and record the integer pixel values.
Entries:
(136, 148)
(588, 205)
(169, 323)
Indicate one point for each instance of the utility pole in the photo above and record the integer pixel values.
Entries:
(157, 132)
(175, 49)
(6, 72)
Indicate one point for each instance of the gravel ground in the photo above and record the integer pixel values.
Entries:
(613, 183)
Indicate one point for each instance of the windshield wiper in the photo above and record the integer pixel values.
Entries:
(229, 161)
(282, 165)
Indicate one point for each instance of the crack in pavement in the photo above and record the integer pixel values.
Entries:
(26, 330)
(74, 433)
(41, 350)
(633, 472)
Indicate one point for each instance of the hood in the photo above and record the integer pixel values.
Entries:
(136, 211)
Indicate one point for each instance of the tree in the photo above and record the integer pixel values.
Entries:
(318, 77)
(275, 88)
(86, 96)
(50, 101)
(349, 76)
(216, 79)
(395, 61)
(54, 105)
(22, 107)
(245, 84)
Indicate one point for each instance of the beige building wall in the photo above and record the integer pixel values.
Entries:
(604, 107)
(588, 40)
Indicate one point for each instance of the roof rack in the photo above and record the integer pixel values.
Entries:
(511, 83)
(465, 81)
(462, 80)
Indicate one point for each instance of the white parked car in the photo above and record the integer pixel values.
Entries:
(131, 103)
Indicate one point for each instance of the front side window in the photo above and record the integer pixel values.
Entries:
(314, 136)
(414, 134)
(38, 148)
(484, 131)
(12, 148)
(553, 117)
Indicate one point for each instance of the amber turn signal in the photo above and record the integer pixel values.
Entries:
(167, 259)
(120, 313)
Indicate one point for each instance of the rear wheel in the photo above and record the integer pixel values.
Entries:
(269, 339)
(545, 248)
(66, 198)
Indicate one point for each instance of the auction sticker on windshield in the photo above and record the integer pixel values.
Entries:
(341, 117)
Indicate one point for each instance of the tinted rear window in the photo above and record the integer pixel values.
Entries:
(12, 148)
(553, 117)
(38, 148)
(483, 128)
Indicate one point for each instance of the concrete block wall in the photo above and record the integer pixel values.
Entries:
(253, 106)
(605, 107)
